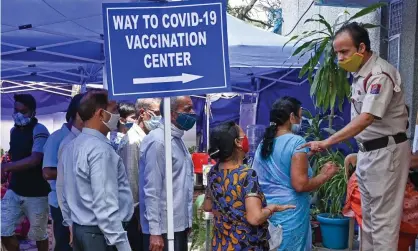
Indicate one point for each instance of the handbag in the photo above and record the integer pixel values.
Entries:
(276, 235)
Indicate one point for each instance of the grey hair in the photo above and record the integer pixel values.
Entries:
(145, 103)
(173, 104)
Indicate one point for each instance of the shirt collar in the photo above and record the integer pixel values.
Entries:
(367, 67)
(95, 133)
(138, 130)
(175, 132)
(75, 131)
(64, 127)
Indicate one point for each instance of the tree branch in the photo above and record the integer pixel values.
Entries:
(258, 21)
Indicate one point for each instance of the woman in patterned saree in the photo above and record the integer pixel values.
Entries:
(234, 196)
(285, 175)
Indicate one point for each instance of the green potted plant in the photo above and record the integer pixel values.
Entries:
(334, 226)
(330, 197)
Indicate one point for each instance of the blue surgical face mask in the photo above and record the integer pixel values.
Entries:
(296, 128)
(152, 123)
(129, 125)
(20, 119)
(186, 121)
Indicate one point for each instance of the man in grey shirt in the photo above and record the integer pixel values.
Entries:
(97, 199)
(152, 190)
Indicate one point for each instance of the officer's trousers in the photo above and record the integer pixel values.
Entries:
(382, 175)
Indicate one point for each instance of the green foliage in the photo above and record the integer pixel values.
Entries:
(199, 224)
(329, 84)
(333, 192)
(192, 149)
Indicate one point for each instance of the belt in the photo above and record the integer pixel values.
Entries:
(382, 142)
(96, 229)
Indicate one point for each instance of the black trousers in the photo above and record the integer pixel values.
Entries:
(134, 232)
(61, 232)
(89, 238)
(180, 241)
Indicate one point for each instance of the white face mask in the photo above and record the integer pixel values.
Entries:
(153, 122)
(112, 124)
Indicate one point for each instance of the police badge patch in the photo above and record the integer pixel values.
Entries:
(375, 89)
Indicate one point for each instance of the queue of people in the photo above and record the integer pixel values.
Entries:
(108, 192)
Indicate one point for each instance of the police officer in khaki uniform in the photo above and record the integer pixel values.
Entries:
(378, 123)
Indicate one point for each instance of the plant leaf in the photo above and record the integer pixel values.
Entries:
(305, 68)
(290, 40)
(338, 18)
(367, 10)
(317, 79)
(370, 26)
(303, 46)
(322, 21)
(329, 130)
(319, 52)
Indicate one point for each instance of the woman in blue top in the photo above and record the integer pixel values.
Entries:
(285, 175)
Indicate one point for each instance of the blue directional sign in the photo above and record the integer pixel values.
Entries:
(159, 49)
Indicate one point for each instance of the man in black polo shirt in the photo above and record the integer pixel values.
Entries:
(28, 191)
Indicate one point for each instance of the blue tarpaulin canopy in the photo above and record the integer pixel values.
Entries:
(39, 34)
(62, 42)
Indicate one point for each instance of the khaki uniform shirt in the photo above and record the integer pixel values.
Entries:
(381, 96)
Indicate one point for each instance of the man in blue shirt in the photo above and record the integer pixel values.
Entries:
(96, 196)
(50, 163)
(152, 190)
(27, 194)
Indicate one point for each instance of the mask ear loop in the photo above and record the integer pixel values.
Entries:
(215, 152)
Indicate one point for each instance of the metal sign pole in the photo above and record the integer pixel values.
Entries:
(168, 173)
(207, 122)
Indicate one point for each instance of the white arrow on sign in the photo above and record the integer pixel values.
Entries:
(184, 78)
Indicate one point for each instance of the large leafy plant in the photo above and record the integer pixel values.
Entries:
(333, 192)
(329, 83)
(331, 195)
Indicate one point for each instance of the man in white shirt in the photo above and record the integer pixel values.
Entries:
(148, 113)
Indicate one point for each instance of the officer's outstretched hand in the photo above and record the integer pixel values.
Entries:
(315, 146)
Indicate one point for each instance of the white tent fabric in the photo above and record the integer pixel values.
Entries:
(250, 46)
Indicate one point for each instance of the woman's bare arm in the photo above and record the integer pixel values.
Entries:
(299, 174)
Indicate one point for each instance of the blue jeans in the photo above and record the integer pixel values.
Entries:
(61, 232)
